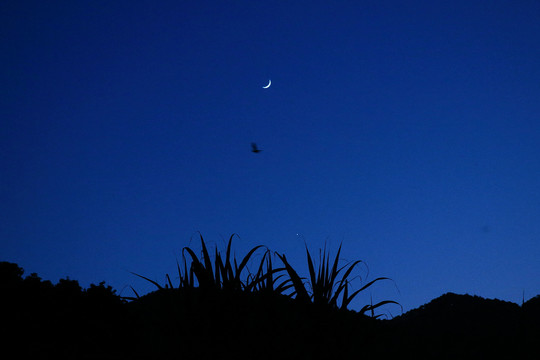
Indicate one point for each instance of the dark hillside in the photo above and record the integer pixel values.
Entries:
(244, 323)
(463, 313)
(469, 324)
(46, 321)
(59, 321)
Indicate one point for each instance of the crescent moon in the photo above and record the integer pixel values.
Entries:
(267, 86)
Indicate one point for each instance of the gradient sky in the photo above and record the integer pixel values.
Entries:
(407, 130)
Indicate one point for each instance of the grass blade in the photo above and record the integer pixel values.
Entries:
(207, 261)
(204, 277)
(246, 259)
(135, 292)
(169, 280)
(301, 292)
(349, 299)
(343, 283)
(228, 266)
(147, 279)
(370, 307)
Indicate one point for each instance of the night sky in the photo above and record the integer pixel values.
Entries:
(409, 131)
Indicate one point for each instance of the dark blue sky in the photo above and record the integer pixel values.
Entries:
(408, 130)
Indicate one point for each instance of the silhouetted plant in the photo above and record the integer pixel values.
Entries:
(33, 282)
(326, 287)
(264, 282)
(219, 274)
(10, 273)
(222, 275)
(101, 294)
(68, 287)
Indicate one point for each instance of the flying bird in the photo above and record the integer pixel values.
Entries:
(254, 148)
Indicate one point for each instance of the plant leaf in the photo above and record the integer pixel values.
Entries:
(349, 299)
(207, 261)
(147, 279)
(301, 292)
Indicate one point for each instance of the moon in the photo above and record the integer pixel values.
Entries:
(267, 86)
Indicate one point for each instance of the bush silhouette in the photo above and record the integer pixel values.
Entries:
(10, 274)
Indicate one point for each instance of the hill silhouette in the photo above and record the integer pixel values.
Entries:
(65, 321)
(472, 325)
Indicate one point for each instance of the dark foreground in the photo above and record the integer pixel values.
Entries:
(45, 321)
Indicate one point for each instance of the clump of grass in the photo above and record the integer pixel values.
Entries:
(265, 282)
(221, 276)
(223, 273)
(328, 284)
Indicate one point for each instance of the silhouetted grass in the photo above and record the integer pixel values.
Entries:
(326, 286)
(220, 274)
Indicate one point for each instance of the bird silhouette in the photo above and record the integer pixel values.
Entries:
(254, 148)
